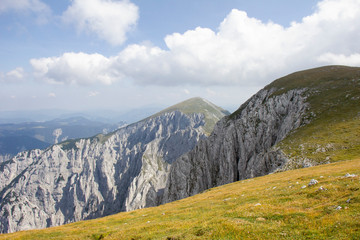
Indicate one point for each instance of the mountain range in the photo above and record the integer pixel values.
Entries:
(304, 119)
(18, 137)
(105, 174)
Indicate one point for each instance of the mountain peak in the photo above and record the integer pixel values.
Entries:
(212, 113)
(195, 105)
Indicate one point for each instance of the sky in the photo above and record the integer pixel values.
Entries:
(125, 54)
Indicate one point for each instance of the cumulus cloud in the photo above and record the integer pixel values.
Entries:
(75, 68)
(243, 51)
(109, 20)
(35, 6)
(13, 76)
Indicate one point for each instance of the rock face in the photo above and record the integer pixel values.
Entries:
(94, 177)
(241, 145)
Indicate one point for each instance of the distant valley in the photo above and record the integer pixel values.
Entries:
(17, 137)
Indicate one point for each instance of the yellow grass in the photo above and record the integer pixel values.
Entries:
(270, 207)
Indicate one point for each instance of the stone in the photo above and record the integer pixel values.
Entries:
(313, 182)
(348, 175)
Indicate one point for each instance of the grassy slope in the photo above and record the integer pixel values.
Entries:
(270, 207)
(334, 98)
(334, 113)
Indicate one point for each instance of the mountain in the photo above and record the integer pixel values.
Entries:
(18, 137)
(303, 119)
(277, 206)
(105, 174)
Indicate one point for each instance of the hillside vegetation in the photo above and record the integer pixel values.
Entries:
(276, 206)
(333, 133)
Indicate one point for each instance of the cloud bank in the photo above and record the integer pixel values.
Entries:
(75, 68)
(244, 51)
(109, 20)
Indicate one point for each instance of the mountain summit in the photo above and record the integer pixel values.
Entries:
(105, 174)
(212, 113)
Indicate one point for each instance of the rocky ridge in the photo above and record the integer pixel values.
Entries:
(98, 176)
(240, 146)
(284, 126)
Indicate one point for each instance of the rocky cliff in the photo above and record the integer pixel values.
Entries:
(240, 146)
(300, 108)
(102, 175)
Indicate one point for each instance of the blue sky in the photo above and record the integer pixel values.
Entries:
(107, 54)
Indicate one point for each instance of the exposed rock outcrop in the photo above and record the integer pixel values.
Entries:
(98, 176)
(241, 145)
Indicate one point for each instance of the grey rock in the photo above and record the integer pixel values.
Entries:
(95, 177)
(313, 182)
(241, 146)
(348, 175)
(10, 169)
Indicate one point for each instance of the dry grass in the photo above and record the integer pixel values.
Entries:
(270, 207)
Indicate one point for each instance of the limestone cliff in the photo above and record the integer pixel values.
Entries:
(240, 146)
(286, 125)
(102, 175)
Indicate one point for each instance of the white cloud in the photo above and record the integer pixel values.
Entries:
(350, 60)
(35, 6)
(109, 20)
(14, 76)
(75, 68)
(243, 51)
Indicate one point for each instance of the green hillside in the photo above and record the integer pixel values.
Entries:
(275, 206)
(333, 133)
